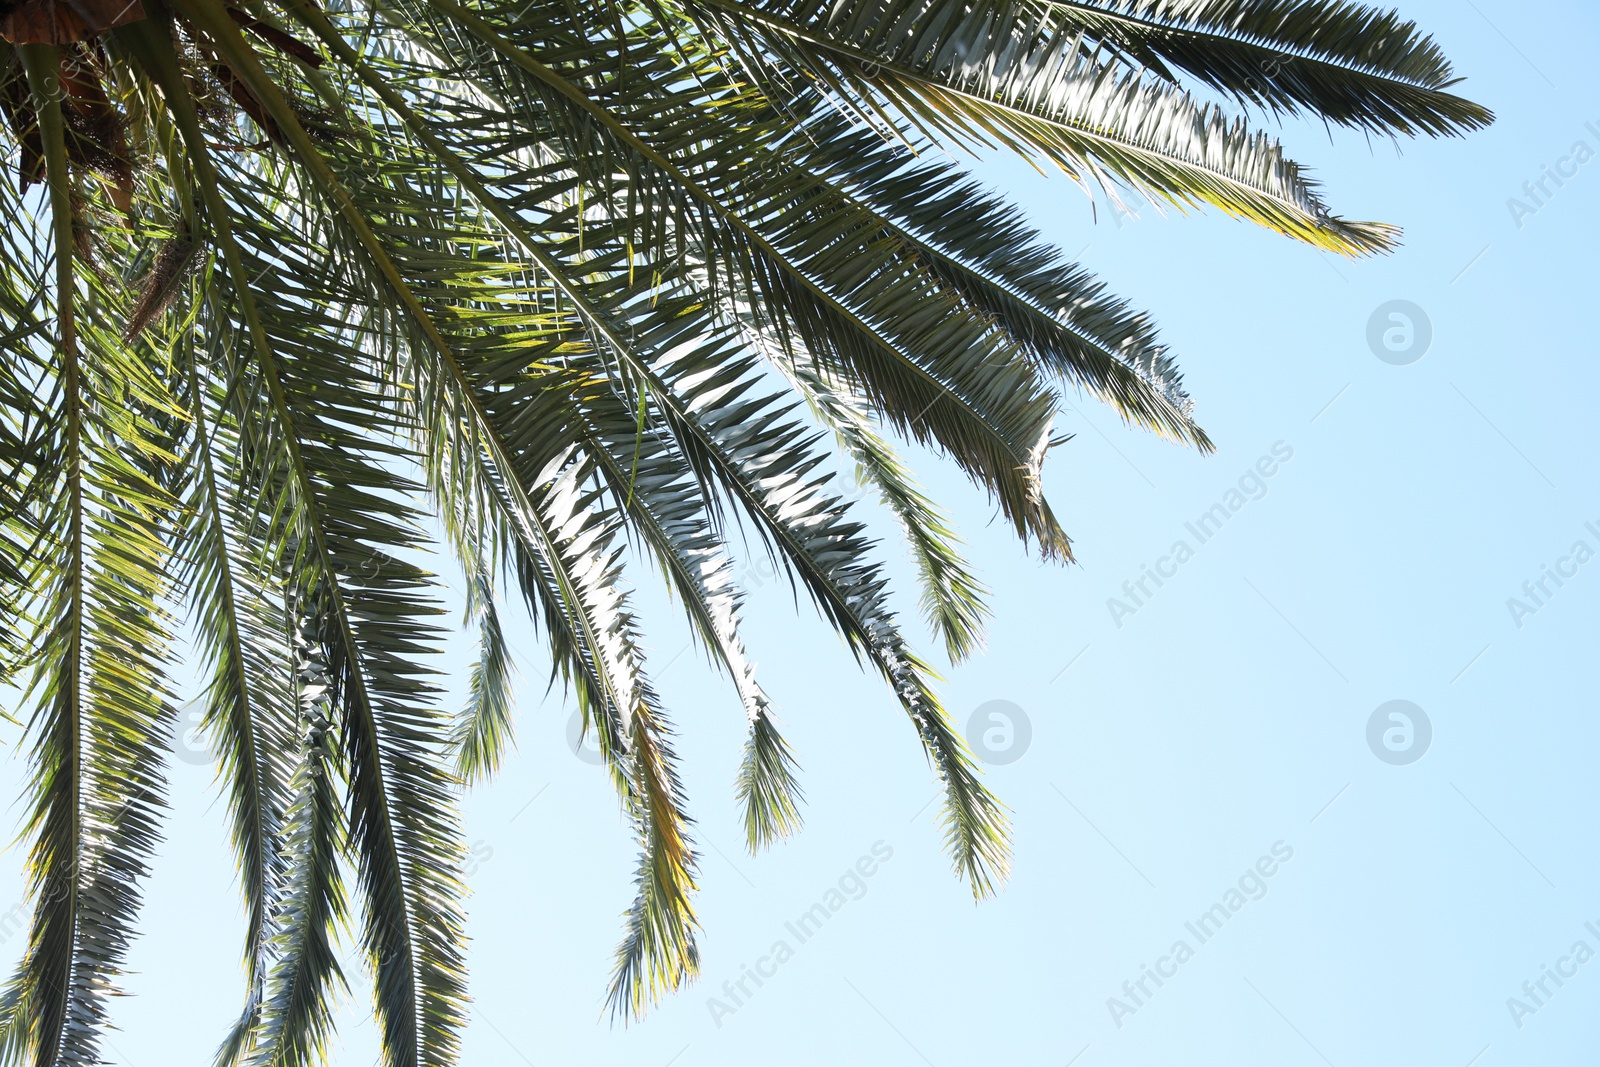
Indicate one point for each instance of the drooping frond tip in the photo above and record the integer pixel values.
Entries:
(768, 786)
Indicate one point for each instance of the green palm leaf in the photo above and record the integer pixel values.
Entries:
(587, 284)
(1353, 65)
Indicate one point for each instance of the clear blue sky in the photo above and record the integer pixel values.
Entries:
(1225, 717)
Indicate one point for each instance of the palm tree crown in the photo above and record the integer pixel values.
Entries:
(283, 281)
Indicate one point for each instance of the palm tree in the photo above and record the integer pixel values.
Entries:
(291, 292)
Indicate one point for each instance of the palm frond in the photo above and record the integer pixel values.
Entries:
(1051, 99)
(103, 712)
(1354, 65)
(587, 285)
(483, 733)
